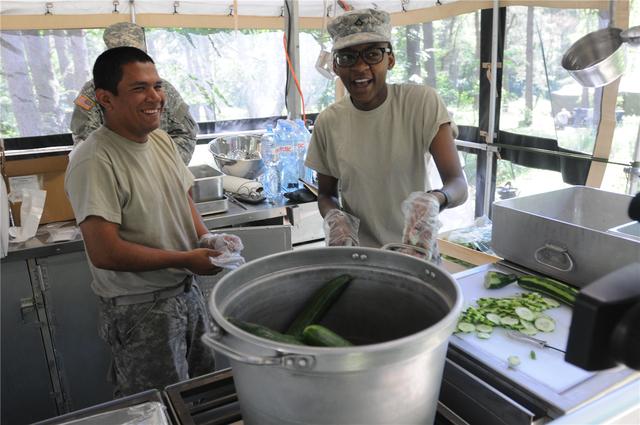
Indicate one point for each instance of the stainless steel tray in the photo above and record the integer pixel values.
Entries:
(212, 207)
(207, 184)
(565, 234)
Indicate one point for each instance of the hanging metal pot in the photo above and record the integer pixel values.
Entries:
(599, 57)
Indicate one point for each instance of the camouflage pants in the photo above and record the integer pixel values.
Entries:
(158, 343)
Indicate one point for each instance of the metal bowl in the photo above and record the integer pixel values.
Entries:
(238, 156)
(596, 59)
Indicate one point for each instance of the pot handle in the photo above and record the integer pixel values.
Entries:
(288, 361)
(397, 245)
(433, 258)
(550, 255)
(631, 36)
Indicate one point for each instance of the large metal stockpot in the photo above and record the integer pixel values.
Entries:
(401, 310)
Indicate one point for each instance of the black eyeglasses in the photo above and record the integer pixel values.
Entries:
(371, 56)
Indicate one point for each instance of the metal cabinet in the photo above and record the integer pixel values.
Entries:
(81, 356)
(27, 388)
(53, 360)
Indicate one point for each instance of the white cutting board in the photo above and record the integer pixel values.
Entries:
(549, 367)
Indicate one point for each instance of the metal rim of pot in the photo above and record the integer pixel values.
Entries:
(330, 358)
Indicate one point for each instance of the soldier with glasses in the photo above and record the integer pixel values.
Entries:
(371, 148)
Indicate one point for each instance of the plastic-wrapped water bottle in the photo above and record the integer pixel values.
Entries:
(285, 137)
(269, 153)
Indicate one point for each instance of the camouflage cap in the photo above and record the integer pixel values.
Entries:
(124, 34)
(360, 27)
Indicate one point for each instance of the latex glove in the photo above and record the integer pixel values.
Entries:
(229, 247)
(221, 242)
(227, 260)
(341, 228)
(421, 222)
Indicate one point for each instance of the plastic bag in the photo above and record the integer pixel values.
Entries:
(476, 237)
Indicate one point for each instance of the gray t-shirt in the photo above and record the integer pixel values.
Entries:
(378, 156)
(143, 187)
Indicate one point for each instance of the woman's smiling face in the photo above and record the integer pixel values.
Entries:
(366, 83)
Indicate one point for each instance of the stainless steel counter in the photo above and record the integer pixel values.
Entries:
(236, 215)
(42, 246)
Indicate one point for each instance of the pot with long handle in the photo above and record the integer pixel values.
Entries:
(599, 57)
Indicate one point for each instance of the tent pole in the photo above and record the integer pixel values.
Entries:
(634, 170)
(292, 30)
(488, 172)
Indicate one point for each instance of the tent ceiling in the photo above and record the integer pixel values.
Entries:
(307, 8)
(234, 14)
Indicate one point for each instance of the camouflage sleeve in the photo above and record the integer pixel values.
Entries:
(179, 123)
(87, 115)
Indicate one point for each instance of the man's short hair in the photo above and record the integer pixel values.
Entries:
(107, 71)
(360, 27)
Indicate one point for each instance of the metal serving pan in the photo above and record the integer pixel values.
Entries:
(207, 185)
(565, 233)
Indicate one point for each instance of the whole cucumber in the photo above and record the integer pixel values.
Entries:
(320, 336)
(264, 332)
(319, 304)
(550, 287)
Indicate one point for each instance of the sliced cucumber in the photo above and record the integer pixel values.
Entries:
(528, 328)
(509, 320)
(545, 324)
(483, 335)
(495, 280)
(514, 361)
(517, 312)
(466, 327)
(484, 328)
(494, 318)
(524, 313)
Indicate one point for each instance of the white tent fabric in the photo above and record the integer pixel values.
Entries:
(307, 8)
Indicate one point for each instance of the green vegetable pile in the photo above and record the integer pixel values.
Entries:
(522, 312)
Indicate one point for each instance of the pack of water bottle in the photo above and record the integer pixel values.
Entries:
(283, 151)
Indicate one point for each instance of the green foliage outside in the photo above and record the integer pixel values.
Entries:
(227, 74)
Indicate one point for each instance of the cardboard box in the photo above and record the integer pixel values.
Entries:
(463, 253)
(49, 173)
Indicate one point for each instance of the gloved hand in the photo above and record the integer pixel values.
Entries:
(229, 247)
(421, 222)
(221, 241)
(340, 228)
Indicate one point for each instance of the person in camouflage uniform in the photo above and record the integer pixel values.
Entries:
(176, 119)
(143, 236)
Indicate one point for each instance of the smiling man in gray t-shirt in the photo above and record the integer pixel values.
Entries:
(129, 192)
